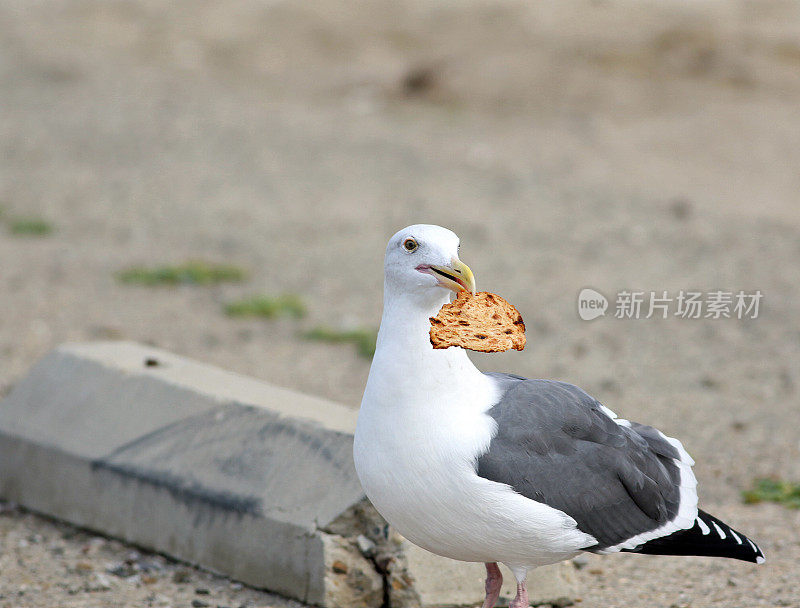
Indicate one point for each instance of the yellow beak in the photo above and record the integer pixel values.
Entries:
(457, 276)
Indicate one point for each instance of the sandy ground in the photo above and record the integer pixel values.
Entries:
(615, 145)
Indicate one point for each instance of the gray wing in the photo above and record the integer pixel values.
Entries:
(555, 445)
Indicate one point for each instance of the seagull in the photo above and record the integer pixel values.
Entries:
(498, 468)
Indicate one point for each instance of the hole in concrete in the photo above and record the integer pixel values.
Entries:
(419, 80)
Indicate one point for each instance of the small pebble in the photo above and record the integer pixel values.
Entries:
(150, 565)
(99, 582)
(396, 538)
(123, 570)
(92, 546)
(365, 545)
(709, 382)
(681, 208)
(199, 604)
(56, 549)
(202, 591)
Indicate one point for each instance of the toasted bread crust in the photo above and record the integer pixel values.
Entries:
(484, 322)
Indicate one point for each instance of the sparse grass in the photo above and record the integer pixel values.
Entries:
(266, 307)
(191, 273)
(29, 226)
(363, 339)
(773, 490)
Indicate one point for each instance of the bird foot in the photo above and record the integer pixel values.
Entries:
(521, 601)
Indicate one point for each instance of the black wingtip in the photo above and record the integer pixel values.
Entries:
(708, 537)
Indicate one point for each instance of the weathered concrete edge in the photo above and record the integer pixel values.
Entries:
(215, 383)
(133, 510)
(73, 484)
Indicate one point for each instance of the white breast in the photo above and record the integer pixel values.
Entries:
(415, 454)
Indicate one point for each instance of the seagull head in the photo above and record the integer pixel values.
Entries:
(422, 263)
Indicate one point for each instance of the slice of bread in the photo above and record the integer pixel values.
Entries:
(484, 322)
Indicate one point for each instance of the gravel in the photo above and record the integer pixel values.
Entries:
(50, 563)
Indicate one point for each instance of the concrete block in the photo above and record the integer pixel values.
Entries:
(221, 470)
(161, 451)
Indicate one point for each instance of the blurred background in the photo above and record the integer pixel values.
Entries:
(220, 178)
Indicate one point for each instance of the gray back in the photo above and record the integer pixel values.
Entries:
(555, 445)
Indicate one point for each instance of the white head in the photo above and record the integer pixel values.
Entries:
(422, 264)
(422, 270)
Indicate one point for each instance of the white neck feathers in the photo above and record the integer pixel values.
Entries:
(406, 369)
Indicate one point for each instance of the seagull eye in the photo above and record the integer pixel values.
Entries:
(410, 245)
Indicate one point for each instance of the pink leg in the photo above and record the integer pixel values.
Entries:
(521, 601)
(494, 580)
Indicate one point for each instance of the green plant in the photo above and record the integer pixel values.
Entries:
(363, 339)
(191, 273)
(29, 226)
(770, 489)
(265, 307)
